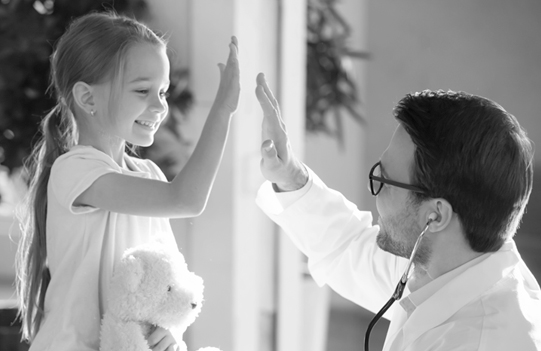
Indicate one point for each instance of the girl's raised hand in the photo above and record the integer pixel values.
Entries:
(227, 97)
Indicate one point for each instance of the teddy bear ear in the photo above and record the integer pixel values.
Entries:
(134, 272)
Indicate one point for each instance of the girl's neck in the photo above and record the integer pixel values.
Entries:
(112, 148)
(93, 133)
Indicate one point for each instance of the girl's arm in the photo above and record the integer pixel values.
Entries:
(187, 194)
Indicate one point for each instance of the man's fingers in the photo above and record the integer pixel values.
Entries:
(266, 105)
(263, 82)
(272, 127)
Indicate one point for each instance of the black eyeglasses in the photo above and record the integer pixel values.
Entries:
(377, 181)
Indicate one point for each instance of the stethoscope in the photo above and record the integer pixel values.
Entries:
(400, 287)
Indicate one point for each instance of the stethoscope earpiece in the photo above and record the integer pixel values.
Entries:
(432, 218)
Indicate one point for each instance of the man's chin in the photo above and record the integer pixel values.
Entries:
(385, 243)
(382, 239)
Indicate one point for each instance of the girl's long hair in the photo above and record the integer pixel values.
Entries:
(92, 50)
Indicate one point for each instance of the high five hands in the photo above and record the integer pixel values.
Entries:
(279, 164)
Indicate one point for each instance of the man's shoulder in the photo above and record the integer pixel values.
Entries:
(512, 312)
(514, 296)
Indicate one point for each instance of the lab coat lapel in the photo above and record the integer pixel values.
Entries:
(459, 292)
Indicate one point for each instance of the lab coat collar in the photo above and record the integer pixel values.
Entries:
(453, 296)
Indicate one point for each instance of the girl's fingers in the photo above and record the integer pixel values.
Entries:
(233, 50)
(165, 344)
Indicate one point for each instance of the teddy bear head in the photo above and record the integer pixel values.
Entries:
(152, 284)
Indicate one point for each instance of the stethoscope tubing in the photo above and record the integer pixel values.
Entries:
(397, 295)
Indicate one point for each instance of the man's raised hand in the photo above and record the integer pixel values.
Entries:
(279, 164)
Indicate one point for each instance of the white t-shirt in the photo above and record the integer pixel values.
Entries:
(83, 245)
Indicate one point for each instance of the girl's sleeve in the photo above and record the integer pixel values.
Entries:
(73, 173)
(339, 241)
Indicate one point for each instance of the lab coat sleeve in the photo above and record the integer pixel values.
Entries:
(339, 241)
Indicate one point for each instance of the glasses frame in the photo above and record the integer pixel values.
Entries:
(382, 181)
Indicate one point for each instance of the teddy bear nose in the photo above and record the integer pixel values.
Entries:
(194, 305)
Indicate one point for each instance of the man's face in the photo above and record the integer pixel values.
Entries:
(398, 215)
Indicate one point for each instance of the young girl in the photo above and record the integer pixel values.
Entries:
(88, 200)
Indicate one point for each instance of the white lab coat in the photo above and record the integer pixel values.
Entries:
(491, 303)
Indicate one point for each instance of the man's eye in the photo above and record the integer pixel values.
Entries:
(164, 94)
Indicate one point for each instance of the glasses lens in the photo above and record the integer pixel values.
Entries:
(376, 185)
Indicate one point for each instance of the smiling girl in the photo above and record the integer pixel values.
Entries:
(88, 199)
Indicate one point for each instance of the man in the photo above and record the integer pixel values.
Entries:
(458, 166)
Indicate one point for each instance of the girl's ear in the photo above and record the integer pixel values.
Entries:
(83, 95)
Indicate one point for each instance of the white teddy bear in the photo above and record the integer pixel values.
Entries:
(151, 286)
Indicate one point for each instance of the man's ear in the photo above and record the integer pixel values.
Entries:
(439, 213)
(83, 95)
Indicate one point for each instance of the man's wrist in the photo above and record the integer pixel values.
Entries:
(299, 180)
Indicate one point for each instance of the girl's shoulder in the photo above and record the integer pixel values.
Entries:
(81, 153)
(88, 159)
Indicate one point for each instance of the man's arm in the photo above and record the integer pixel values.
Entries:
(338, 239)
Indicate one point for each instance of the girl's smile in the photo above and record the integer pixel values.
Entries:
(131, 106)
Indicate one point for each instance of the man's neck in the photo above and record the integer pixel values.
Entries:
(439, 265)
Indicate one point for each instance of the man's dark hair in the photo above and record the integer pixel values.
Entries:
(475, 155)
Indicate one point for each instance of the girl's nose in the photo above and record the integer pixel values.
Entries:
(159, 105)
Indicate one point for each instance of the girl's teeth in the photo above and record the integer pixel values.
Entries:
(148, 124)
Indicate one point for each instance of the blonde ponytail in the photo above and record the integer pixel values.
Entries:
(33, 275)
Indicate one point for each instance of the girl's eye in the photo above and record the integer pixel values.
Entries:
(142, 91)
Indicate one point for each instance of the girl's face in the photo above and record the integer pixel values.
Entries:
(134, 111)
